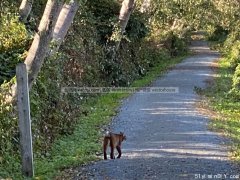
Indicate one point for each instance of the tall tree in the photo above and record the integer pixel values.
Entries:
(125, 12)
(63, 23)
(54, 25)
(41, 41)
(25, 9)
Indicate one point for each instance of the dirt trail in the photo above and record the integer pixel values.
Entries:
(167, 137)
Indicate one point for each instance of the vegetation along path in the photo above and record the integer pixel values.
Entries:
(167, 138)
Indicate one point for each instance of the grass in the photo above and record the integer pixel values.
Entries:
(226, 106)
(84, 145)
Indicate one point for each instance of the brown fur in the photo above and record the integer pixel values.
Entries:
(115, 142)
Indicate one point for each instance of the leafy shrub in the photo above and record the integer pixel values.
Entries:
(52, 114)
(174, 44)
(231, 39)
(236, 83)
(103, 15)
(136, 28)
(234, 54)
(218, 34)
(14, 40)
(13, 34)
(9, 134)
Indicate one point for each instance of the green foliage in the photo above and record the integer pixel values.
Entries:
(219, 34)
(234, 55)
(13, 41)
(175, 44)
(236, 83)
(225, 33)
(225, 105)
(47, 108)
(9, 140)
(136, 28)
(225, 94)
(233, 52)
(179, 45)
(82, 53)
(103, 15)
(8, 7)
(13, 34)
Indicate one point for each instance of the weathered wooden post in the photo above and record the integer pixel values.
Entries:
(24, 120)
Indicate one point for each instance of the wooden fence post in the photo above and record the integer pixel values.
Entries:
(24, 120)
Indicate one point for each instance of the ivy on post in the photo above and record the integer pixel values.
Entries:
(24, 120)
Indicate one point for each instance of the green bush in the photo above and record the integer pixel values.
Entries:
(13, 34)
(136, 28)
(236, 83)
(52, 113)
(231, 39)
(9, 134)
(234, 54)
(174, 44)
(103, 15)
(14, 40)
(218, 34)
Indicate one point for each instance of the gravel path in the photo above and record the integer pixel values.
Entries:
(167, 138)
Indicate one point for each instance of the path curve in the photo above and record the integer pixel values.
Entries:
(167, 138)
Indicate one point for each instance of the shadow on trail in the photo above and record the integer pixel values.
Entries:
(146, 165)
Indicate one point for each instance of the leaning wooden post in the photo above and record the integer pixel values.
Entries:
(24, 120)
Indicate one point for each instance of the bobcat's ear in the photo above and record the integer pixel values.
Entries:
(121, 133)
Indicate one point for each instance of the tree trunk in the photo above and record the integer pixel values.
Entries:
(125, 12)
(25, 9)
(63, 23)
(42, 39)
(40, 44)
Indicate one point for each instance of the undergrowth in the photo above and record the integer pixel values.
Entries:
(226, 105)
